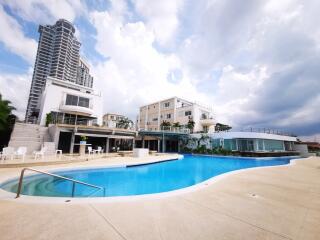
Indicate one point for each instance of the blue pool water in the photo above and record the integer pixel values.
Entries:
(141, 179)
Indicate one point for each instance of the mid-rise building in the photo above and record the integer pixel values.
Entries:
(176, 111)
(71, 110)
(58, 57)
(112, 120)
(70, 103)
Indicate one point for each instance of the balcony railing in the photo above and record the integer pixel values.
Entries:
(72, 121)
(74, 108)
(169, 129)
(268, 130)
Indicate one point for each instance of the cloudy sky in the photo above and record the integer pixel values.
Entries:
(257, 63)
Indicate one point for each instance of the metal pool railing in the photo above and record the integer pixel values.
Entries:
(74, 182)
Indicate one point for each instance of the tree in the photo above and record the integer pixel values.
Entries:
(48, 119)
(176, 125)
(190, 125)
(222, 127)
(124, 123)
(165, 124)
(7, 119)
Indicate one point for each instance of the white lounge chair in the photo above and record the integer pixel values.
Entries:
(40, 153)
(90, 150)
(22, 151)
(99, 150)
(7, 152)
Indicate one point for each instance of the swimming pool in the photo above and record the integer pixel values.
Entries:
(140, 179)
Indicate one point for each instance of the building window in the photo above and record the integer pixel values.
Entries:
(155, 119)
(167, 104)
(204, 116)
(83, 102)
(77, 101)
(168, 115)
(273, 145)
(187, 113)
(72, 100)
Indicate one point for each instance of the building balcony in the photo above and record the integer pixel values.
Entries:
(76, 110)
(207, 122)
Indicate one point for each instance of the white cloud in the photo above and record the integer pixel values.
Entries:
(161, 17)
(235, 90)
(135, 73)
(13, 38)
(16, 89)
(47, 11)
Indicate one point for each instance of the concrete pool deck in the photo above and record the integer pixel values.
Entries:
(281, 202)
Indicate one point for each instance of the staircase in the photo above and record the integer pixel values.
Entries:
(31, 136)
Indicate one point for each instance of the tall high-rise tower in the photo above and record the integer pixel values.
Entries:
(57, 56)
(83, 77)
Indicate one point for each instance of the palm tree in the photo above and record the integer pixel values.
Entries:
(176, 125)
(165, 124)
(5, 113)
(124, 123)
(222, 127)
(6, 121)
(190, 125)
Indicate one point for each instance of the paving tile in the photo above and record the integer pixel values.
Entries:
(56, 221)
(265, 211)
(311, 228)
(175, 219)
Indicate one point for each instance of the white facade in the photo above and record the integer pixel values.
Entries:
(111, 120)
(254, 135)
(175, 110)
(54, 99)
(250, 141)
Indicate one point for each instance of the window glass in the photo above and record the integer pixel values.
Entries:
(83, 102)
(273, 145)
(230, 144)
(187, 113)
(260, 144)
(72, 100)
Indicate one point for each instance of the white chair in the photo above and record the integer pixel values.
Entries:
(22, 151)
(40, 153)
(90, 150)
(98, 150)
(7, 152)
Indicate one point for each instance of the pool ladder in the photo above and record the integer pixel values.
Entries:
(74, 182)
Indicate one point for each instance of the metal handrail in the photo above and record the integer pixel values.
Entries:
(58, 176)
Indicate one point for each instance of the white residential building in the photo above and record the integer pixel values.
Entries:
(175, 110)
(112, 120)
(70, 103)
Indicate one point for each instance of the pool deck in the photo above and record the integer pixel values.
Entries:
(281, 202)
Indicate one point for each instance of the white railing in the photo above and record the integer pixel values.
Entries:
(267, 130)
(169, 129)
